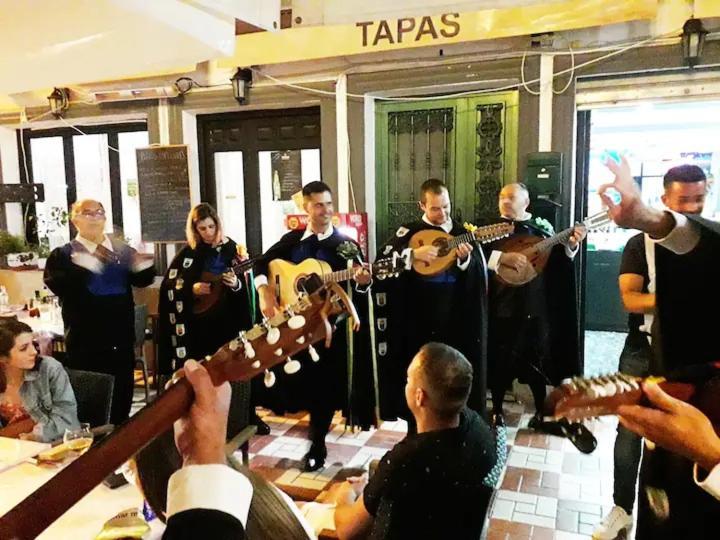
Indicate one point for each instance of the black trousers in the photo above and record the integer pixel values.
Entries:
(119, 363)
(518, 348)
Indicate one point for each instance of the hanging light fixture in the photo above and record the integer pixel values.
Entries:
(58, 101)
(240, 83)
(693, 39)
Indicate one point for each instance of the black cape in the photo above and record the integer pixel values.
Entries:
(685, 333)
(552, 295)
(183, 334)
(398, 319)
(332, 383)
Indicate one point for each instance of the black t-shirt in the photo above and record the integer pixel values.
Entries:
(430, 485)
(635, 262)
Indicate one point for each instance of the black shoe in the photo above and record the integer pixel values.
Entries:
(262, 427)
(579, 435)
(315, 458)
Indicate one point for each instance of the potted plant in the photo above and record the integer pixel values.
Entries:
(49, 225)
(14, 251)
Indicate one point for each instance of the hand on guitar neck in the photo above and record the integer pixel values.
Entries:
(674, 425)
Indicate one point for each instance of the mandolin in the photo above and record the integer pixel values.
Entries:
(288, 281)
(203, 304)
(537, 251)
(579, 398)
(252, 353)
(447, 245)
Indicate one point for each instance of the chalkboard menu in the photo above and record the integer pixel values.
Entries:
(164, 189)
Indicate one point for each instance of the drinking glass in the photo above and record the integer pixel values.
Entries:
(79, 439)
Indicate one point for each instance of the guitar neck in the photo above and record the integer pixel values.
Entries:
(554, 240)
(62, 491)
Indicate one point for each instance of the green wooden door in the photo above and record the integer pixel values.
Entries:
(469, 143)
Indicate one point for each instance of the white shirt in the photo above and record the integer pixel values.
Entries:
(261, 279)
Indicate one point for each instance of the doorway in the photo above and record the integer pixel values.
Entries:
(251, 164)
(655, 136)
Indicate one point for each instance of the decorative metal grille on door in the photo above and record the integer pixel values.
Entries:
(489, 160)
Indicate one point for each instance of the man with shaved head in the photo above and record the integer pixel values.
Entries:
(93, 276)
(533, 329)
(434, 483)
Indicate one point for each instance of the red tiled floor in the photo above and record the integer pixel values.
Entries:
(510, 527)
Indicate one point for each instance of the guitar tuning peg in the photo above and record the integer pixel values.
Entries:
(233, 345)
(313, 354)
(300, 340)
(278, 352)
(273, 335)
(294, 321)
(255, 364)
(269, 378)
(291, 366)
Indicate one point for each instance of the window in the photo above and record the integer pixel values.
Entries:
(98, 165)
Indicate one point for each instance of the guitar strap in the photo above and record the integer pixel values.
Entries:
(373, 356)
(350, 353)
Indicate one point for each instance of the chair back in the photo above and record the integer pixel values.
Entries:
(93, 393)
(141, 317)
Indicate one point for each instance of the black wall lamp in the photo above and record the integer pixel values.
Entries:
(693, 39)
(58, 101)
(241, 81)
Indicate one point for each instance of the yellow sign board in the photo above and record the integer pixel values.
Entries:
(707, 8)
(315, 42)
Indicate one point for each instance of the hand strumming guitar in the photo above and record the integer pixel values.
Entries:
(516, 261)
(426, 253)
(201, 288)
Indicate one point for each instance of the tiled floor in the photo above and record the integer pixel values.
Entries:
(549, 490)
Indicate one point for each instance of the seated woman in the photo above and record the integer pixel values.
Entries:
(36, 400)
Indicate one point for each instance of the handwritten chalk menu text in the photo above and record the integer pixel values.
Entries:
(164, 192)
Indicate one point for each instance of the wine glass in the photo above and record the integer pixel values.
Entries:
(79, 439)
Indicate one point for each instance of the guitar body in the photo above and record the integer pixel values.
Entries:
(522, 243)
(446, 257)
(288, 280)
(218, 290)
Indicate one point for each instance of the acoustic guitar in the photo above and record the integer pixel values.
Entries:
(537, 251)
(447, 245)
(218, 290)
(253, 352)
(289, 281)
(580, 398)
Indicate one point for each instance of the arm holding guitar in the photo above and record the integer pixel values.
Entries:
(678, 427)
(516, 261)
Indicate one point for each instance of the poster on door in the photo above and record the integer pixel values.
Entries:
(286, 174)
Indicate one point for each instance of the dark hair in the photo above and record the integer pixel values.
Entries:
(198, 213)
(687, 174)
(9, 330)
(269, 515)
(433, 185)
(448, 376)
(315, 187)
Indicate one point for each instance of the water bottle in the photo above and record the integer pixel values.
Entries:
(4, 299)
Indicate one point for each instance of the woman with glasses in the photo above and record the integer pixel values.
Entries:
(36, 399)
(93, 276)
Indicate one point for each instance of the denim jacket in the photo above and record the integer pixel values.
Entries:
(49, 399)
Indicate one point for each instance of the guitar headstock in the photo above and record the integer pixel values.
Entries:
(597, 220)
(490, 233)
(392, 266)
(277, 339)
(579, 398)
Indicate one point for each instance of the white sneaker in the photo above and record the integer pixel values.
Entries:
(613, 524)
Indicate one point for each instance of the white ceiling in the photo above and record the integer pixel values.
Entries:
(46, 43)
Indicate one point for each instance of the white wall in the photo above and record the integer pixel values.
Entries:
(11, 175)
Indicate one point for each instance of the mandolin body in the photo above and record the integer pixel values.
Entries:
(446, 257)
(522, 243)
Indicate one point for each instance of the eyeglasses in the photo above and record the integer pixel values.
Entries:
(99, 213)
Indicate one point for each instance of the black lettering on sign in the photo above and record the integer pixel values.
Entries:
(383, 32)
(447, 20)
(404, 26)
(426, 27)
(364, 26)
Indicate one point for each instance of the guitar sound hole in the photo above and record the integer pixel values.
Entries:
(442, 245)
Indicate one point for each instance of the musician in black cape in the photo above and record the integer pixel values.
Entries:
(684, 334)
(208, 255)
(533, 328)
(413, 309)
(342, 376)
